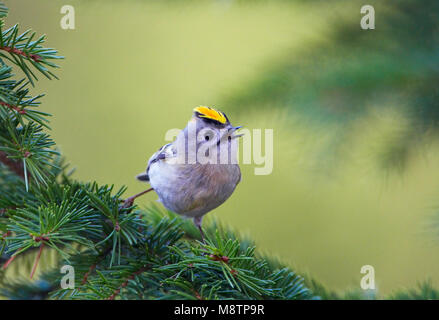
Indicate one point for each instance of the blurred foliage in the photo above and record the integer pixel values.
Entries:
(25, 290)
(424, 291)
(339, 80)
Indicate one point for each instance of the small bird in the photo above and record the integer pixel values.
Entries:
(198, 171)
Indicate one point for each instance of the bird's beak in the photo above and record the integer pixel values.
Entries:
(233, 129)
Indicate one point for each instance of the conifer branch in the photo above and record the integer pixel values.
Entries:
(15, 108)
(14, 166)
(16, 51)
(125, 283)
(37, 260)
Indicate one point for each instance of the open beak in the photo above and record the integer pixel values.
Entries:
(229, 134)
(233, 129)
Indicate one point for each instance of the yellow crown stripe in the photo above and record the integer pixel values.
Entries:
(209, 113)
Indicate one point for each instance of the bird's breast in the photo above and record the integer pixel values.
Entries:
(193, 189)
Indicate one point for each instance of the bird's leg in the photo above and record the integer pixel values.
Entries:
(130, 201)
(198, 221)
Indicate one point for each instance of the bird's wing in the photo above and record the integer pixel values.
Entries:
(164, 152)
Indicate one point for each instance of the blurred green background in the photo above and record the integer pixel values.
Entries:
(354, 113)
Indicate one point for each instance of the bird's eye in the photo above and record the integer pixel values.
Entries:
(207, 138)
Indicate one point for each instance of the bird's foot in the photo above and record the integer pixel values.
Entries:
(130, 201)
